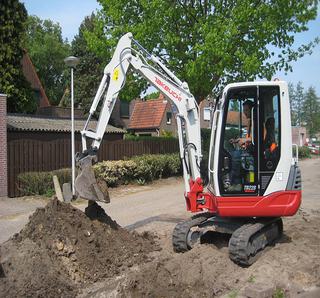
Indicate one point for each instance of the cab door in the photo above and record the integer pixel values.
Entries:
(270, 132)
(238, 164)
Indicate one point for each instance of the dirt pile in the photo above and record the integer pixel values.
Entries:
(61, 248)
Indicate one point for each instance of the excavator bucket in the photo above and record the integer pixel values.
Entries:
(86, 184)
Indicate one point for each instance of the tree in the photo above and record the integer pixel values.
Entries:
(296, 96)
(292, 100)
(300, 97)
(47, 50)
(153, 95)
(13, 16)
(209, 42)
(311, 111)
(89, 72)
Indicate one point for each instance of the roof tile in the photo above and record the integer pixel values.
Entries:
(148, 114)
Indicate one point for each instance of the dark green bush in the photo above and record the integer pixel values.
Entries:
(35, 183)
(304, 152)
(154, 166)
(40, 183)
(205, 140)
(141, 169)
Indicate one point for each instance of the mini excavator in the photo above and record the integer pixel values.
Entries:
(252, 178)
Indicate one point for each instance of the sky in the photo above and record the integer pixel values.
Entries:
(70, 13)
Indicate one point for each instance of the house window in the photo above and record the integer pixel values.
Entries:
(169, 117)
(124, 109)
(206, 114)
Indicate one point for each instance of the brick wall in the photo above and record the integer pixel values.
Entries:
(3, 146)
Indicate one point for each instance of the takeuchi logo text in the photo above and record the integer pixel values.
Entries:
(168, 89)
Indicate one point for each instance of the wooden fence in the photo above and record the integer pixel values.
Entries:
(37, 155)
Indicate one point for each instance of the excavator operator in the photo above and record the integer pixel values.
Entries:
(246, 142)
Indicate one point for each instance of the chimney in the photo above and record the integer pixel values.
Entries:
(3, 146)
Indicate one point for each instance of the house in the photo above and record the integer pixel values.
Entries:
(153, 118)
(205, 108)
(32, 77)
(299, 135)
(120, 116)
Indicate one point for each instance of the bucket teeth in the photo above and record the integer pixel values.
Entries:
(86, 184)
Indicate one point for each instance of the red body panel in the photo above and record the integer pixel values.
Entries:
(280, 203)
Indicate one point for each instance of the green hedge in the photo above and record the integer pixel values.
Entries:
(139, 169)
(164, 136)
(40, 183)
(304, 152)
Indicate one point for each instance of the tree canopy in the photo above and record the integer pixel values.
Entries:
(297, 97)
(89, 72)
(208, 42)
(47, 50)
(305, 107)
(311, 111)
(13, 16)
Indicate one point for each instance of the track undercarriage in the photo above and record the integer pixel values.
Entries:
(249, 236)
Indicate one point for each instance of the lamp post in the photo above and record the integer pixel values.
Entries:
(72, 62)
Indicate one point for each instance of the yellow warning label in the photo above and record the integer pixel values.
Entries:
(115, 75)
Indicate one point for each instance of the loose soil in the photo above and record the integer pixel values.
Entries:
(61, 250)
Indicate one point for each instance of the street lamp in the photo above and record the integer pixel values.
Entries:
(72, 62)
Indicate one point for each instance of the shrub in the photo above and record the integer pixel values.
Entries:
(304, 152)
(133, 137)
(205, 139)
(154, 166)
(40, 183)
(115, 172)
(35, 183)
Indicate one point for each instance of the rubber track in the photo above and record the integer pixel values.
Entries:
(181, 230)
(238, 243)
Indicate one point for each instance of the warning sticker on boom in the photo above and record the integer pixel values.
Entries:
(115, 75)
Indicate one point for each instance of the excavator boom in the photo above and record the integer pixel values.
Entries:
(114, 78)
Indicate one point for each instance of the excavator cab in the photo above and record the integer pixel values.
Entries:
(251, 149)
(246, 156)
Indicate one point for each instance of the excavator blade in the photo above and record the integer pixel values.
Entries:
(86, 184)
